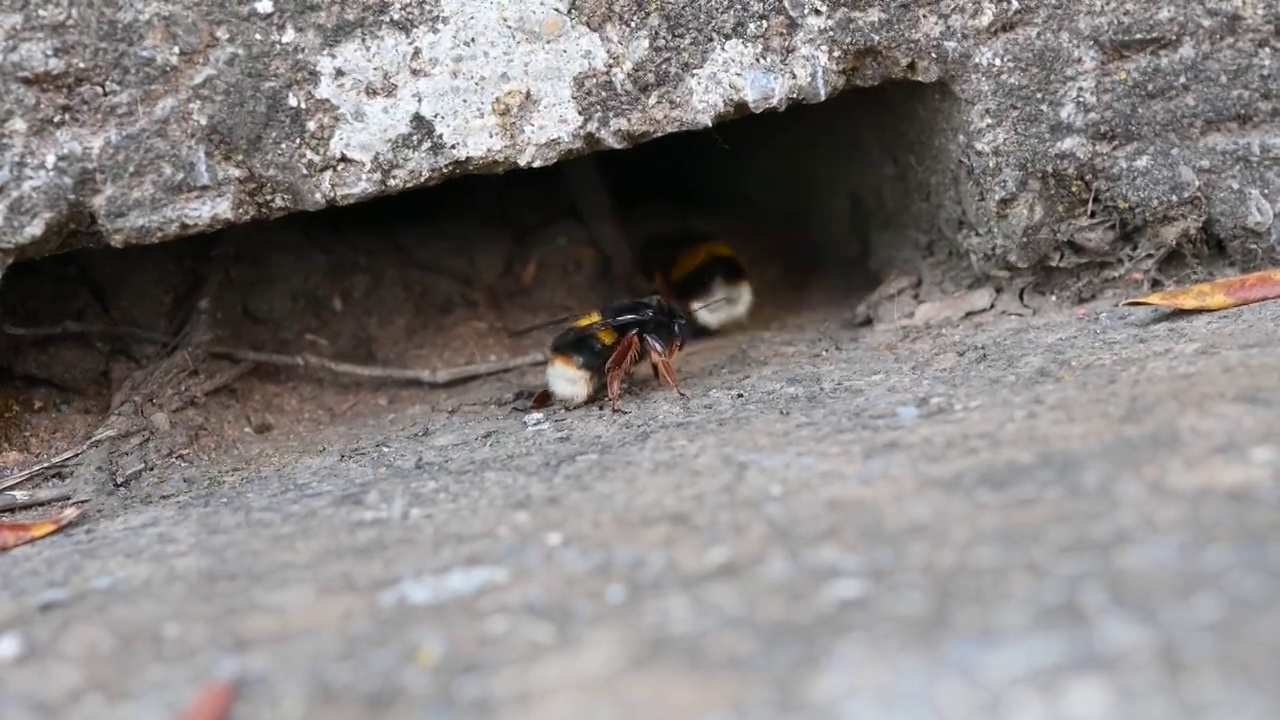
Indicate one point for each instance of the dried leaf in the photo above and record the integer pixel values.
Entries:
(213, 702)
(1217, 294)
(13, 534)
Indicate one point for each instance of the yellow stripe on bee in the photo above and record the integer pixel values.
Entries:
(607, 336)
(693, 257)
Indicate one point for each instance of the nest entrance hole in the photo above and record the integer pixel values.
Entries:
(820, 201)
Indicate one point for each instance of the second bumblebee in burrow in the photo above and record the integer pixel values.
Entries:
(702, 276)
(599, 349)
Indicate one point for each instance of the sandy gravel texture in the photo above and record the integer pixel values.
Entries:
(1072, 515)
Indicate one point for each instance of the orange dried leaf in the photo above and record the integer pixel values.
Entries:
(13, 534)
(213, 702)
(1217, 294)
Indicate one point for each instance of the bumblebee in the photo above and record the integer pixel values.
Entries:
(597, 350)
(704, 277)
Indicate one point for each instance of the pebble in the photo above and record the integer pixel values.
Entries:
(103, 582)
(453, 584)
(535, 419)
(845, 589)
(160, 421)
(53, 597)
(13, 647)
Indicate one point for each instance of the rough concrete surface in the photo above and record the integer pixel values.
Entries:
(1071, 515)
(1092, 132)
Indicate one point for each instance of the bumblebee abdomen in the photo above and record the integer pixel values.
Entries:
(571, 380)
(704, 259)
(699, 279)
(715, 291)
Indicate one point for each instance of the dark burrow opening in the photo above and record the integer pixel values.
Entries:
(821, 202)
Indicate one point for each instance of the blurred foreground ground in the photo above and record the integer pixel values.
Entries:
(1062, 516)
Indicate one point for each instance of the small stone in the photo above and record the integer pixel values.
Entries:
(450, 585)
(13, 647)
(717, 557)
(534, 419)
(846, 589)
(1260, 213)
(554, 539)
(1264, 455)
(160, 421)
(103, 582)
(53, 597)
(908, 412)
(552, 26)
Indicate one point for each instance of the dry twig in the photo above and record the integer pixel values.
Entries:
(443, 376)
(19, 499)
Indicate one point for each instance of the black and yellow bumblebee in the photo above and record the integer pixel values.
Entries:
(599, 349)
(700, 274)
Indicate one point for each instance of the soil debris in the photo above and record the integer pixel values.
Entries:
(888, 297)
(955, 307)
(55, 461)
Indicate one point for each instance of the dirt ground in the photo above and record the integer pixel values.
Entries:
(1065, 515)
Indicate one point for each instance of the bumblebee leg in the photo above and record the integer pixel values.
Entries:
(541, 400)
(661, 359)
(619, 364)
(669, 375)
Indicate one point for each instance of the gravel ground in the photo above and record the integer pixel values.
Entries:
(1072, 515)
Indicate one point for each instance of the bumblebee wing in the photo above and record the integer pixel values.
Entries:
(585, 329)
(605, 324)
(543, 324)
(591, 329)
(708, 304)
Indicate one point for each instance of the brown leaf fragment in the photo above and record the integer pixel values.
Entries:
(213, 702)
(13, 534)
(1220, 294)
